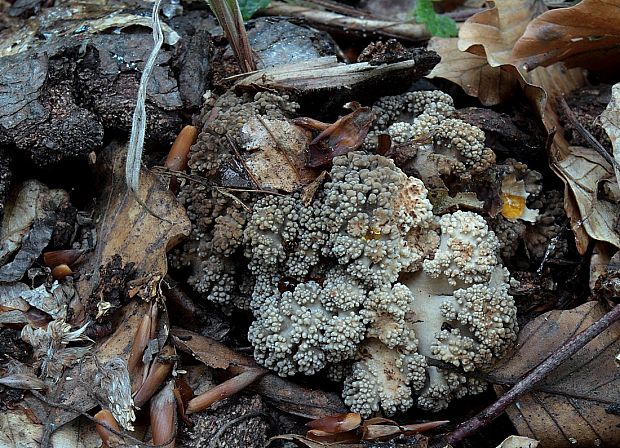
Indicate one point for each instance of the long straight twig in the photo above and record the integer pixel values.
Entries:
(568, 349)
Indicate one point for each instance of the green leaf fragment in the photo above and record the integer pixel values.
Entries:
(438, 25)
(251, 7)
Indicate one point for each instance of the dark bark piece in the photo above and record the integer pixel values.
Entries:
(108, 78)
(192, 63)
(41, 116)
(59, 97)
(277, 41)
(25, 8)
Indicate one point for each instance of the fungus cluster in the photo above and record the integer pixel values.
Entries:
(363, 281)
(446, 146)
(219, 217)
(366, 280)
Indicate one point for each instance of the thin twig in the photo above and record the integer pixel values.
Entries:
(163, 171)
(594, 143)
(568, 349)
(233, 145)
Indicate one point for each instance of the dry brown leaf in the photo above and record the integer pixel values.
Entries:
(492, 34)
(284, 394)
(126, 228)
(583, 170)
(585, 35)
(569, 408)
(345, 135)
(18, 431)
(610, 120)
(491, 85)
(275, 153)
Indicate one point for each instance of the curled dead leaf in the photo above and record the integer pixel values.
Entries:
(582, 171)
(345, 135)
(584, 35)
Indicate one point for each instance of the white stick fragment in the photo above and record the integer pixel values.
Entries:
(138, 125)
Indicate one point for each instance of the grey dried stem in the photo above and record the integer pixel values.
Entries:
(229, 17)
(138, 125)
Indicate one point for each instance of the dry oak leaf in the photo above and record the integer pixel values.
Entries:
(585, 35)
(570, 408)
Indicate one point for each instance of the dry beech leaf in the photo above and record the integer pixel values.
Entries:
(275, 153)
(18, 431)
(126, 228)
(585, 35)
(284, 394)
(491, 85)
(610, 120)
(518, 442)
(582, 171)
(491, 34)
(494, 32)
(570, 407)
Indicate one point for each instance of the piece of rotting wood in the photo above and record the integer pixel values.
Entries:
(329, 82)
